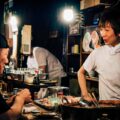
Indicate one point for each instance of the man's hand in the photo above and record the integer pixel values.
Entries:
(10, 100)
(25, 95)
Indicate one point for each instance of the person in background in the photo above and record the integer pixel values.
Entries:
(10, 109)
(46, 61)
(31, 62)
(105, 60)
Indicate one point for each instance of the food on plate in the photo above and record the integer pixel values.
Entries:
(53, 101)
(70, 99)
(112, 102)
(45, 102)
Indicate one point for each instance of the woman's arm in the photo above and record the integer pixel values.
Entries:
(82, 84)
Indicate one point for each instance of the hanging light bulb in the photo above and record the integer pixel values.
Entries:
(68, 15)
(13, 22)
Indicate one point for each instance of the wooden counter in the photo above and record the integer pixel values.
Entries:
(15, 83)
(76, 112)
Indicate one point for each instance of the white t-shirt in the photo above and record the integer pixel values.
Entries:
(45, 58)
(31, 62)
(106, 61)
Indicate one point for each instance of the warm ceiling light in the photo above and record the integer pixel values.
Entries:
(13, 22)
(68, 15)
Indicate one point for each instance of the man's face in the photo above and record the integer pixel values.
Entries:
(108, 35)
(3, 58)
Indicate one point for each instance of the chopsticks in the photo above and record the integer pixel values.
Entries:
(92, 95)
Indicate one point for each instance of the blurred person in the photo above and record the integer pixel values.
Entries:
(46, 61)
(31, 62)
(41, 58)
(105, 60)
(12, 108)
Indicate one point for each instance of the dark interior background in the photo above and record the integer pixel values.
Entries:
(43, 15)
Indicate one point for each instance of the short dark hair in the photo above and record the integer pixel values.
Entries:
(3, 42)
(111, 16)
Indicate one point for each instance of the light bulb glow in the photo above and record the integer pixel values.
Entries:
(68, 15)
(13, 22)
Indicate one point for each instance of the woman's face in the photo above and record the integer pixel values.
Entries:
(3, 58)
(108, 35)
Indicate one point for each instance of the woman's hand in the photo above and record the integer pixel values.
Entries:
(88, 98)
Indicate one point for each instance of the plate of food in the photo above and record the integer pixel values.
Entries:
(86, 42)
(47, 103)
(95, 39)
(51, 103)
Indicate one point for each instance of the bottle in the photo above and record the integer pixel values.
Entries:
(76, 49)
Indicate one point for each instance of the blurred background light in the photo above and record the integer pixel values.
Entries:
(13, 22)
(68, 15)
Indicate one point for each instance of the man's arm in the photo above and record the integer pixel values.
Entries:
(44, 70)
(16, 108)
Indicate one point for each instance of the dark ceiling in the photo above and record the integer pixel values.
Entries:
(43, 16)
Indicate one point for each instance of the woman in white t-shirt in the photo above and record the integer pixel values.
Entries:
(105, 60)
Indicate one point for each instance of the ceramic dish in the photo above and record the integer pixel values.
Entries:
(44, 105)
(95, 39)
(86, 42)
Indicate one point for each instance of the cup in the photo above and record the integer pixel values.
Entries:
(76, 49)
(92, 73)
(15, 90)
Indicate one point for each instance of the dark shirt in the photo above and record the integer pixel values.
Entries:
(3, 105)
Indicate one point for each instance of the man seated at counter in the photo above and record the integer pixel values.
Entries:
(105, 60)
(10, 109)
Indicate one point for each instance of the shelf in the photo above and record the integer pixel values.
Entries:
(95, 79)
(92, 14)
(89, 26)
(73, 74)
(96, 6)
(86, 53)
(74, 54)
(73, 35)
